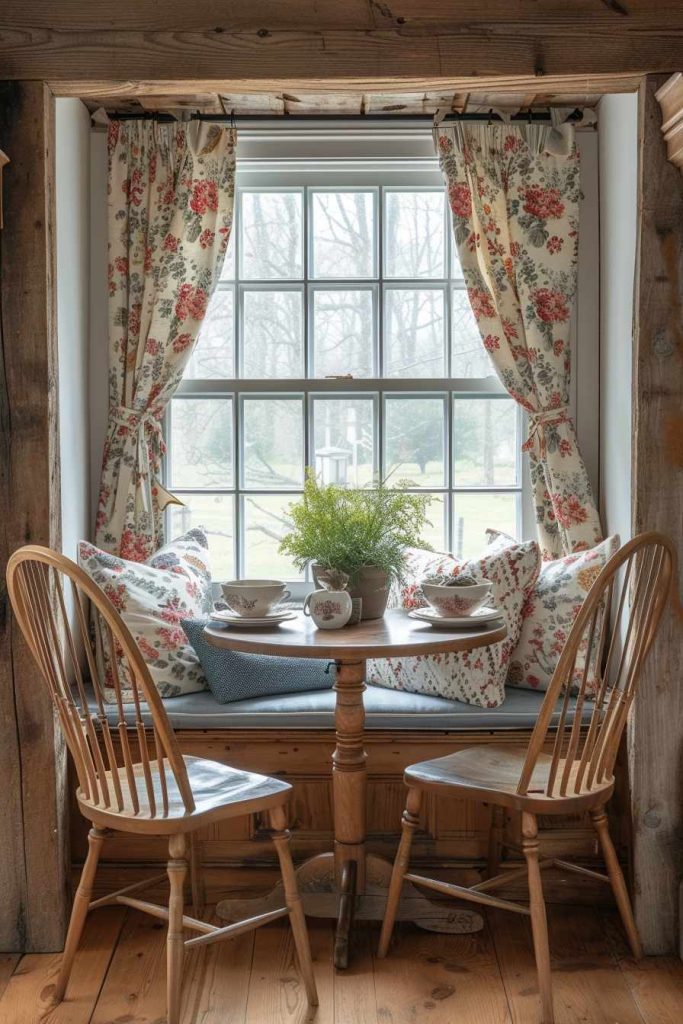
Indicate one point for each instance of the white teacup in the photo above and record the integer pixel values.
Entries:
(254, 599)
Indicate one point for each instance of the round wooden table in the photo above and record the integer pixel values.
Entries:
(348, 884)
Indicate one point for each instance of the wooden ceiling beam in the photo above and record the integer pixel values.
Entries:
(108, 92)
(440, 16)
(359, 59)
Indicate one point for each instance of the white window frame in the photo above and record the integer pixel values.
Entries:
(263, 167)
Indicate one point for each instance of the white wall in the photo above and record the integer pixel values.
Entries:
(72, 173)
(618, 164)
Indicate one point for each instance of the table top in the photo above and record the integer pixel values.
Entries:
(392, 636)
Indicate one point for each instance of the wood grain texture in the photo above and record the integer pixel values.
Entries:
(656, 983)
(587, 982)
(313, 55)
(116, 93)
(33, 911)
(428, 978)
(394, 635)
(655, 736)
(409, 15)
(455, 978)
(27, 998)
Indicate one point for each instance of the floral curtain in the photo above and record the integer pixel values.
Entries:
(171, 194)
(514, 195)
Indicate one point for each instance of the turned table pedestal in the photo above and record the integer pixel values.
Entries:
(347, 883)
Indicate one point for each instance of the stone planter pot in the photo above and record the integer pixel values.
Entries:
(372, 585)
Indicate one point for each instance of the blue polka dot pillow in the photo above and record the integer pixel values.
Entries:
(233, 676)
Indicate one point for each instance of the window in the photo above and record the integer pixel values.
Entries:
(340, 337)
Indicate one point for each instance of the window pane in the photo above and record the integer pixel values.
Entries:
(485, 442)
(468, 355)
(273, 431)
(414, 333)
(216, 513)
(434, 532)
(343, 234)
(201, 442)
(271, 235)
(273, 334)
(456, 266)
(474, 514)
(414, 441)
(214, 355)
(343, 440)
(228, 269)
(266, 521)
(414, 234)
(343, 332)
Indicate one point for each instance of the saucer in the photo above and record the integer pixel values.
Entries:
(231, 619)
(482, 617)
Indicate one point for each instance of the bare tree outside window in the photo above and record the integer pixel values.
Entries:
(340, 337)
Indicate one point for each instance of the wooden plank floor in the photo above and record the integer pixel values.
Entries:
(486, 978)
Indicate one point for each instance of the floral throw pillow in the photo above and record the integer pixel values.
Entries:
(153, 597)
(475, 677)
(549, 614)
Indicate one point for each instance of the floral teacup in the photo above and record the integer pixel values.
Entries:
(254, 599)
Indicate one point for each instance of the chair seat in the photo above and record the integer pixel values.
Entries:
(218, 791)
(492, 774)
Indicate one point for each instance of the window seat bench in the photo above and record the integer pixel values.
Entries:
(384, 710)
(292, 736)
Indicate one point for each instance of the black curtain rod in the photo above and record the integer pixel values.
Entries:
(530, 116)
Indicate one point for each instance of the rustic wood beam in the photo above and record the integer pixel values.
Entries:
(313, 55)
(435, 16)
(109, 90)
(33, 865)
(655, 748)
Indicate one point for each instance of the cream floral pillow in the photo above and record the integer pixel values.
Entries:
(476, 677)
(153, 597)
(549, 614)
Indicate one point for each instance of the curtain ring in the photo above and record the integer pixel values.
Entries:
(490, 120)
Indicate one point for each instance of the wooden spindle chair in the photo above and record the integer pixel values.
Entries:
(600, 665)
(133, 777)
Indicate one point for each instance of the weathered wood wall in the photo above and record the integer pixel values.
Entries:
(33, 822)
(656, 731)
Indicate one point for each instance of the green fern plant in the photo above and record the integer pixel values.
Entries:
(350, 529)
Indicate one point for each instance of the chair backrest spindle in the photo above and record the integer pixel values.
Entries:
(110, 777)
(625, 601)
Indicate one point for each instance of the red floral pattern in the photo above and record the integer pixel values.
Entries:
(476, 677)
(514, 196)
(171, 193)
(548, 616)
(153, 597)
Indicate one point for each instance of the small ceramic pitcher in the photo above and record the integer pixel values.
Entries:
(329, 609)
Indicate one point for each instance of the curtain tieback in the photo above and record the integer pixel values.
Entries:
(538, 421)
(147, 427)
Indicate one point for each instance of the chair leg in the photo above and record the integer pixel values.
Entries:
(539, 924)
(409, 823)
(297, 918)
(495, 840)
(616, 877)
(175, 949)
(196, 875)
(79, 911)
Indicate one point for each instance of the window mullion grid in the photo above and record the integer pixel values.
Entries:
(376, 389)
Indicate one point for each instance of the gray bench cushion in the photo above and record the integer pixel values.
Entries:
(384, 709)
